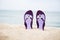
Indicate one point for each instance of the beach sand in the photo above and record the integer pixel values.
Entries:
(18, 32)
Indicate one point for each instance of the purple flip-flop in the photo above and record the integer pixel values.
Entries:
(28, 19)
(40, 19)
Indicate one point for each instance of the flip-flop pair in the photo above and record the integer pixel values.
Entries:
(40, 19)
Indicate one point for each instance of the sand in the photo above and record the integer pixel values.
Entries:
(18, 32)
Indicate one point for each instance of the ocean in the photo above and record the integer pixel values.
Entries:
(17, 17)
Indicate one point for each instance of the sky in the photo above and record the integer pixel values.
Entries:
(46, 5)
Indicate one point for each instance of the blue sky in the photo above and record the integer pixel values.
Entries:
(46, 5)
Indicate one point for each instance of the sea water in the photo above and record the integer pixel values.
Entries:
(17, 17)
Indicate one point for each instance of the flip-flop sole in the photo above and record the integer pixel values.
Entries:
(28, 19)
(40, 20)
